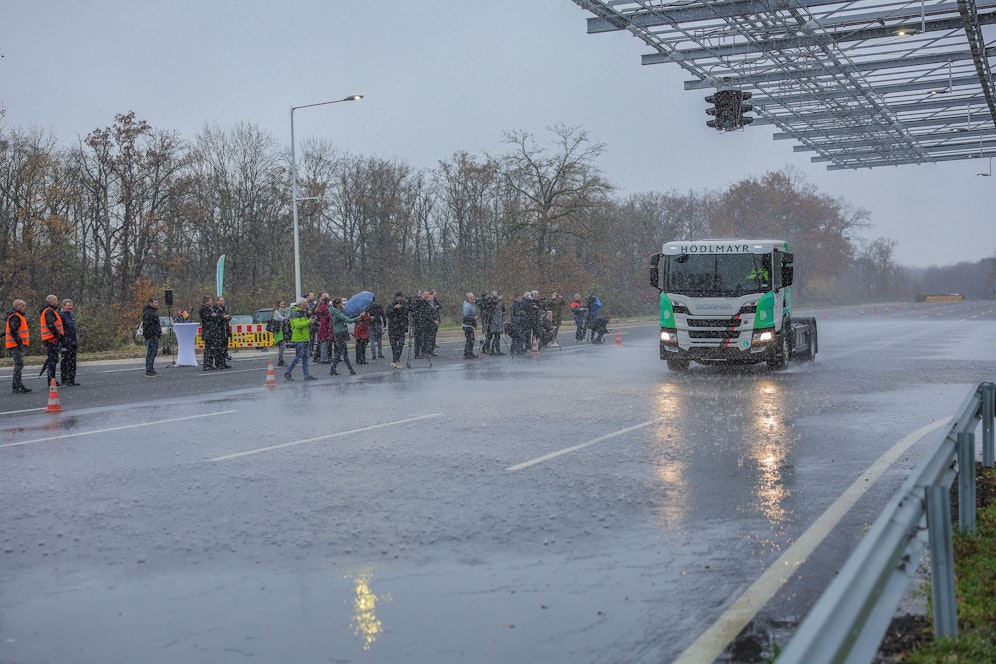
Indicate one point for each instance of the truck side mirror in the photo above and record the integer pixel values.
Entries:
(655, 271)
(787, 269)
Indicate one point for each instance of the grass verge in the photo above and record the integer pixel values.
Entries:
(975, 580)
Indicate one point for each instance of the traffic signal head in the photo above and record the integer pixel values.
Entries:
(729, 109)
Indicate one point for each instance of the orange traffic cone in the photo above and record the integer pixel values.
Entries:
(53, 399)
(535, 345)
(618, 337)
(271, 378)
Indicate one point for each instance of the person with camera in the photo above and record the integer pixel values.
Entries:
(300, 325)
(517, 325)
(429, 318)
(276, 327)
(580, 312)
(377, 322)
(555, 305)
(323, 313)
(397, 327)
(469, 326)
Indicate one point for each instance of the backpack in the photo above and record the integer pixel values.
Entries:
(272, 326)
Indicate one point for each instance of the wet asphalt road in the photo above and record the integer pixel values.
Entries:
(585, 505)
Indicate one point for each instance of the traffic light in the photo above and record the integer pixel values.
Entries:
(729, 109)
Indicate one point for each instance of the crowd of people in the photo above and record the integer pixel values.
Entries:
(317, 329)
(58, 334)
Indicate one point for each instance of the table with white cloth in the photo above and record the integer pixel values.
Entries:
(186, 341)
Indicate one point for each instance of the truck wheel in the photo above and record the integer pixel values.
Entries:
(674, 364)
(780, 353)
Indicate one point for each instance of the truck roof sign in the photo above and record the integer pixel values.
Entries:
(724, 247)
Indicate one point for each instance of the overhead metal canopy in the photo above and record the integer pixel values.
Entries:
(862, 84)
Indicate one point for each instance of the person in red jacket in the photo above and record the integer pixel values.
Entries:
(16, 337)
(361, 332)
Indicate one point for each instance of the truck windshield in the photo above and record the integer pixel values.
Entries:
(718, 275)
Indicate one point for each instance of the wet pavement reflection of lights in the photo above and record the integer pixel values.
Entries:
(769, 448)
(366, 625)
(671, 467)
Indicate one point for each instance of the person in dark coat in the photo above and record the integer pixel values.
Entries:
(209, 329)
(151, 331)
(517, 326)
(599, 328)
(377, 322)
(397, 327)
(70, 344)
(222, 333)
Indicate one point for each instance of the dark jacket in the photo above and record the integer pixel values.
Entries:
(70, 340)
(209, 323)
(151, 329)
(376, 311)
(397, 318)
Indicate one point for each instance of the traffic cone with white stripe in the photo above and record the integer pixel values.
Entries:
(618, 337)
(271, 378)
(53, 399)
(535, 346)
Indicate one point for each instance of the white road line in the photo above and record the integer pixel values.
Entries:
(712, 642)
(568, 450)
(120, 428)
(15, 412)
(326, 437)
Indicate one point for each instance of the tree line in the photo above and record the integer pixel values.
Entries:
(131, 210)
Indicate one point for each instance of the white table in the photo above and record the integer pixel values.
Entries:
(186, 339)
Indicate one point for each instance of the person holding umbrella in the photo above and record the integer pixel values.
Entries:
(340, 338)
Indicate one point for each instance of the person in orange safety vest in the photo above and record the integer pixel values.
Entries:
(17, 336)
(52, 334)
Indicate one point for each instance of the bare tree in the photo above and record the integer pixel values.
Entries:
(557, 189)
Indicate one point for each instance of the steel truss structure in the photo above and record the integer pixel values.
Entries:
(862, 84)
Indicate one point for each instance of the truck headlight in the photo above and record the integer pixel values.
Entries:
(763, 336)
(669, 335)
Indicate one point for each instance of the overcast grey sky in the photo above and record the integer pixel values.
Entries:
(439, 76)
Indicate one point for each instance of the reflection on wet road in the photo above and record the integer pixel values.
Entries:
(585, 505)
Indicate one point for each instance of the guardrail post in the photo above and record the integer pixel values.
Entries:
(941, 562)
(988, 413)
(966, 482)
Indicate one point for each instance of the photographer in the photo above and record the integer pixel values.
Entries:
(300, 325)
(492, 322)
(469, 325)
(397, 326)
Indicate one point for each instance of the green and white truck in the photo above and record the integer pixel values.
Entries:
(729, 301)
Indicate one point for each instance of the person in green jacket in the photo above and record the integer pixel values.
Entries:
(340, 333)
(300, 325)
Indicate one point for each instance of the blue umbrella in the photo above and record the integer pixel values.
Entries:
(357, 303)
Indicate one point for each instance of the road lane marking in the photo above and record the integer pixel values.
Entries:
(713, 642)
(568, 450)
(325, 437)
(120, 428)
(26, 410)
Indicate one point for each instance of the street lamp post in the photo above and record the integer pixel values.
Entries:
(294, 199)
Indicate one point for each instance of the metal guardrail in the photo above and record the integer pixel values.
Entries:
(849, 621)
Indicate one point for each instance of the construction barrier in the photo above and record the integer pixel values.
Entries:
(253, 335)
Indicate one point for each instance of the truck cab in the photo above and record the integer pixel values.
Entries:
(728, 301)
